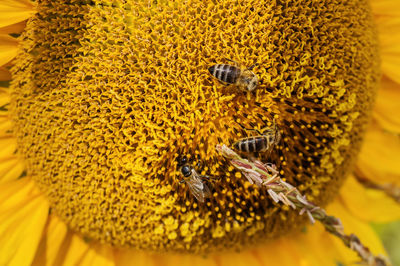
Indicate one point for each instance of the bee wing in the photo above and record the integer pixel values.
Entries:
(206, 191)
(198, 188)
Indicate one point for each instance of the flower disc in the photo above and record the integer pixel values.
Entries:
(108, 97)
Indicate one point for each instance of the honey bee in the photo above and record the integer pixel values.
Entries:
(194, 181)
(265, 141)
(243, 78)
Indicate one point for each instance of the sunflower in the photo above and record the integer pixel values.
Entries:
(107, 97)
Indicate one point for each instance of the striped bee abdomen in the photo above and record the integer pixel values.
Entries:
(225, 73)
(252, 144)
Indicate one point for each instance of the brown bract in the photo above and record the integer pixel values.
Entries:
(107, 97)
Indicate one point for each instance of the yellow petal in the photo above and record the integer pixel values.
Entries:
(4, 97)
(14, 11)
(315, 245)
(243, 258)
(180, 259)
(388, 104)
(388, 32)
(361, 229)
(4, 74)
(12, 192)
(8, 48)
(368, 204)
(5, 124)
(279, 252)
(380, 156)
(124, 257)
(61, 246)
(391, 65)
(8, 146)
(387, 16)
(4, 119)
(74, 251)
(385, 7)
(197, 260)
(11, 168)
(51, 243)
(311, 247)
(14, 28)
(22, 220)
(98, 255)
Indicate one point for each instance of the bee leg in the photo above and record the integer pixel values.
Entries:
(223, 83)
(182, 181)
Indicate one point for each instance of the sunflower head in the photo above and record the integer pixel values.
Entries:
(108, 97)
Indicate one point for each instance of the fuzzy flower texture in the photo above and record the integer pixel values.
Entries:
(100, 100)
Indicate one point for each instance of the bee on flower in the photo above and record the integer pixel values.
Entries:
(194, 181)
(242, 77)
(267, 138)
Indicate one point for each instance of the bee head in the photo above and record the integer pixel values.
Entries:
(248, 80)
(252, 82)
(211, 70)
(186, 170)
